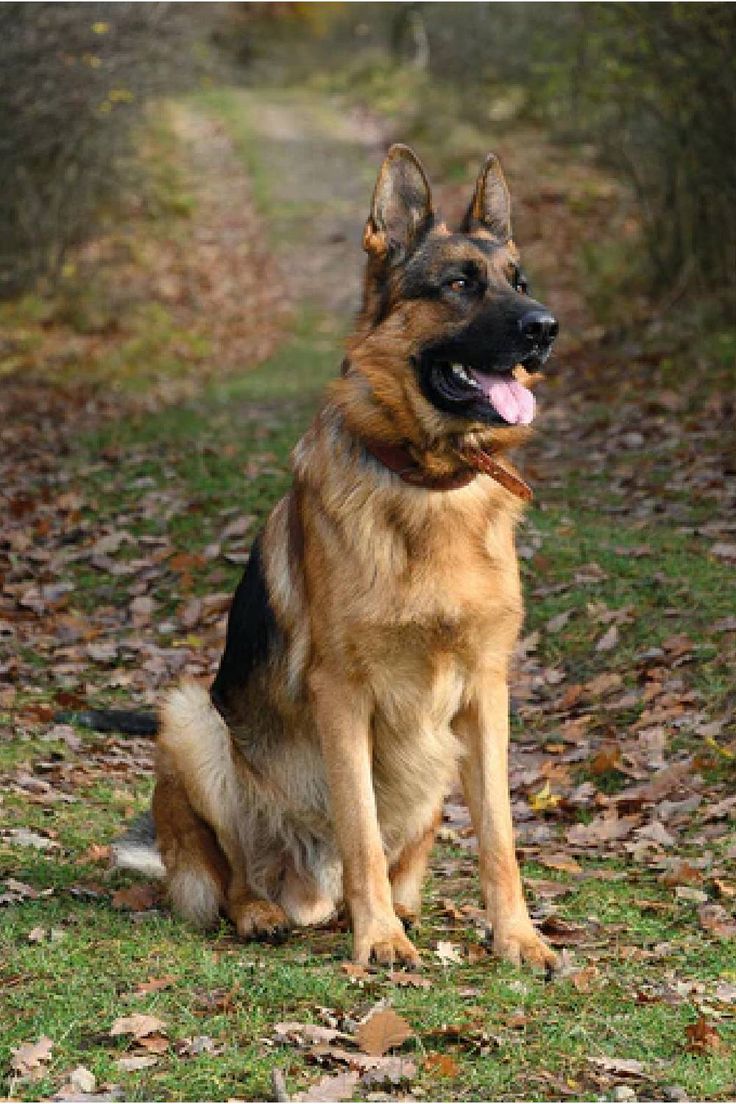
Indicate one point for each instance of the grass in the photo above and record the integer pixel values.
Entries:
(518, 1036)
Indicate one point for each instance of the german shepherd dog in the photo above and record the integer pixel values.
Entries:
(368, 643)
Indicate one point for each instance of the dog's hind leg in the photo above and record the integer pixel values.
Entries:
(197, 872)
(407, 873)
(199, 811)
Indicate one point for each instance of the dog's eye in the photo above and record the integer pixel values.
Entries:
(459, 283)
(519, 282)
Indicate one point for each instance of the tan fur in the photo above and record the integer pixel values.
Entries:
(398, 612)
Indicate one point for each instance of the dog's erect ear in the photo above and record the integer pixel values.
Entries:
(490, 207)
(402, 206)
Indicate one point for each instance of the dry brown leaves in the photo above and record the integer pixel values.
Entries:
(363, 1054)
(139, 1026)
(382, 1030)
(29, 1060)
(80, 1082)
(137, 898)
(703, 1038)
(333, 1087)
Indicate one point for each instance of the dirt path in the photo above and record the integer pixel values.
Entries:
(321, 159)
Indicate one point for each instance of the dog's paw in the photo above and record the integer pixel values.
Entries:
(522, 944)
(384, 942)
(261, 920)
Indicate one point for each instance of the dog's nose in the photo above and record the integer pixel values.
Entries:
(539, 327)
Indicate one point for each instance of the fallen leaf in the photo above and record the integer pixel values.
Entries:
(388, 1073)
(724, 551)
(543, 800)
(602, 685)
(718, 811)
(139, 1025)
(409, 979)
(682, 874)
(558, 622)
(136, 1062)
(392, 1066)
(24, 837)
(333, 1087)
(96, 852)
(450, 909)
(603, 829)
(703, 1038)
(18, 891)
(154, 1044)
(448, 953)
(80, 1082)
(657, 833)
(725, 992)
(141, 611)
(716, 919)
(609, 640)
(547, 889)
(584, 980)
(606, 759)
(216, 1000)
(688, 893)
(136, 898)
(620, 1067)
(564, 933)
(154, 985)
(199, 1044)
(441, 1065)
(564, 863)
(304, 1034)
(28, 1058)
(382, 1030)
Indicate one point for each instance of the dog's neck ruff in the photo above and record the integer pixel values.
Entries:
(474, 461)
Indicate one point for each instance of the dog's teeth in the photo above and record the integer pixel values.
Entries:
(461, 372)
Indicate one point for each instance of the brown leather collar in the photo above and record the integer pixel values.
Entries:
(399, 460)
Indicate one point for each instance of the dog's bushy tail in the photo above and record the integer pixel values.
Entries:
(129, 722)
(137, 848)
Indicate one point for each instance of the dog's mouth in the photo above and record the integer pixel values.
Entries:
(486, 393)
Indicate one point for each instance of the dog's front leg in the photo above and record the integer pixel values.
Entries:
(342, 712)
(484, 726)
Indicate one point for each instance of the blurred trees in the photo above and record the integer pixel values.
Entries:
(73, 80)
(652, 85)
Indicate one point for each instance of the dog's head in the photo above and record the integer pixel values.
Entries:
(447, 332)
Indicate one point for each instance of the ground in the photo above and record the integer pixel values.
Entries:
(149, 407)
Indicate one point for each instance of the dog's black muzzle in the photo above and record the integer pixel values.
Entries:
(457, 374)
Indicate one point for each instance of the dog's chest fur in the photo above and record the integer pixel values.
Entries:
(415, 598)
(406, 597)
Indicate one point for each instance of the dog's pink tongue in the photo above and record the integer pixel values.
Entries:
(513, 401)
